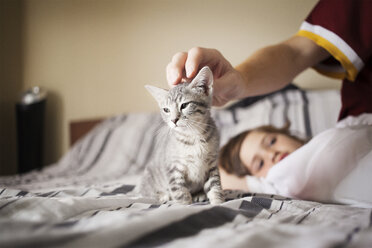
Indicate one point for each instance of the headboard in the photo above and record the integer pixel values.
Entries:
(78, 128)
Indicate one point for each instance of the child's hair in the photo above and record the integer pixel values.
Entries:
(229, 158)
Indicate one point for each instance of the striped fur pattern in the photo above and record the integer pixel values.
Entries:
(185, 163)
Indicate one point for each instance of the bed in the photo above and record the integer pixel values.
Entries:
(84, 199)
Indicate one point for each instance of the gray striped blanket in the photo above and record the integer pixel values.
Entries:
(83, 200)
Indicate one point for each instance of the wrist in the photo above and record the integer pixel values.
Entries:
(241, 81)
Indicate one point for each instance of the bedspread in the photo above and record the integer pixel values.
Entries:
(93, 217)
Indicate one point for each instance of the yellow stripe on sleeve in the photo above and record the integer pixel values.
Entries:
(351, 71)
(338, 75)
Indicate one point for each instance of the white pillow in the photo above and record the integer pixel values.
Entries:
(335, 166)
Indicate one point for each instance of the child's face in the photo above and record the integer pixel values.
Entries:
(261, 150)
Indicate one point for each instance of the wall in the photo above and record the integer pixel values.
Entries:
(94, 57)
(10, 80)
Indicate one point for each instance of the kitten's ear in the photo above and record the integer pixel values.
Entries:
(204, 81)
(158, 93)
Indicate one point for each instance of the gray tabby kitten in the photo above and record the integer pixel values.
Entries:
(185, 161)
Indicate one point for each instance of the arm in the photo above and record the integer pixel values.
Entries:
(273, 67)
(229, 181)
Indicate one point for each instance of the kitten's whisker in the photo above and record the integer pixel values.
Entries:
(201, 123)
(159, 127)
(195, 131)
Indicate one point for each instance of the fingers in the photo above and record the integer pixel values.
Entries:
(194, 58)
(184, 65)
(175, 69)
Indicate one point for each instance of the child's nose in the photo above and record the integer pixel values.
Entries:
(272, 156)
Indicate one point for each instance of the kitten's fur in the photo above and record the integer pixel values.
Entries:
(185, 160)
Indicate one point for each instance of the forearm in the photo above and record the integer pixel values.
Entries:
(273, 67)
(229, 181)
(267, 70)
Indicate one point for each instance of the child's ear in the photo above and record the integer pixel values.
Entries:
(158, 93)
(203, 81)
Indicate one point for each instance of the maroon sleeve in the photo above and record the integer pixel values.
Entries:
(351, 20)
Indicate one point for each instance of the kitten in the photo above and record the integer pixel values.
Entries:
(185, 160)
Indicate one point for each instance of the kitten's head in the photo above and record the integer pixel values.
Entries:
(187, 104)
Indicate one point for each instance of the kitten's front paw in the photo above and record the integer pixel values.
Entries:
(216, 197)
(182, 197)
(163, 198)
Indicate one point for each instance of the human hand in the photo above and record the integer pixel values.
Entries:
(228, 83)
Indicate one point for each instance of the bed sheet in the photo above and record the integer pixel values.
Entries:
(98, 217)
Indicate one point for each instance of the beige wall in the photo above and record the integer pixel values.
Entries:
(95, 56)
(11, 71)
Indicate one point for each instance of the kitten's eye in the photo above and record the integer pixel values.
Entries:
(184, 105)
(166, 110)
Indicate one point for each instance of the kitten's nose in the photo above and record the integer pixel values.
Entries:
(175, 120)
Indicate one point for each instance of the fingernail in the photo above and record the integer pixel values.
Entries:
(173, 78)
(189, 71)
